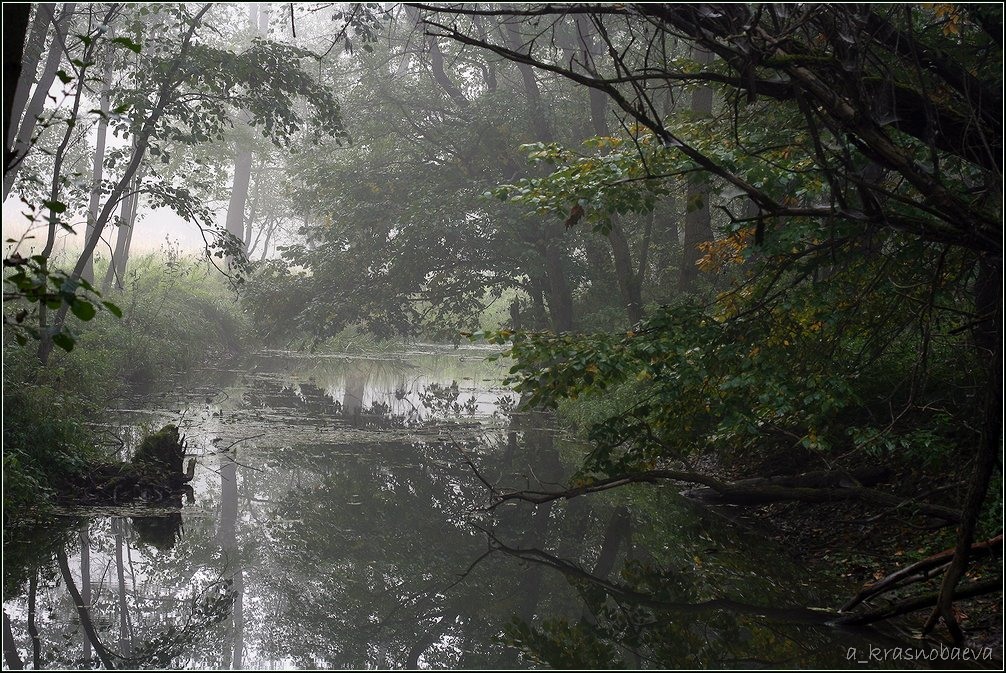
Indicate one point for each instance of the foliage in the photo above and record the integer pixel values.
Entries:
(808, 369)
(398, 234)
(185, 303)
(173, 89)
(561, 645)
(443, 400)
(45, 436)
(31, 281)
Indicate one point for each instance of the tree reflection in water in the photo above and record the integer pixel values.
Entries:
(338, 524)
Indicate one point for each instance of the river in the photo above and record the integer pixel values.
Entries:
(337, 521)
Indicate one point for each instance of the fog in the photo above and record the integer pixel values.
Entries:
(502, 336)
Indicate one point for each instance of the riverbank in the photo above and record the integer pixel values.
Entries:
(861, 544)
(177, 315)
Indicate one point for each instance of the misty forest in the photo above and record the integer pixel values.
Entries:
(488, 336)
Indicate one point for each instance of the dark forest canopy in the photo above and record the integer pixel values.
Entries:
(727, 230)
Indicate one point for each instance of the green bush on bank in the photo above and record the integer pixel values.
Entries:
(45, 436)
(177, 314)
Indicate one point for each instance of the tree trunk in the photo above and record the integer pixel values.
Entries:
(988, 342)
(83, 611)
(488, 69)
(124, 238)
(560, 298)
(55, 221)
(239, 194)
(539, 314)
(698, 226)
(431, 636)
(440, 75)
(163, 98)
(97, 166)
(263, 19)
(618, 529)
(268, 238)
(237, 659)
(10, 654)
(628, 281)
(908, 605)
(36, 642)
(120, 242)
(352, 397)
(23, 137)
(85, 581)
(920, 571)
(539, 121)
(227, 538)
(21, 55)
(118, 524)
(255, 192)
(242, 172)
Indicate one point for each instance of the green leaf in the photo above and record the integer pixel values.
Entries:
(127, 43)
(83, 309)
(63, 340)
(63, 77)
(55, 206)
(113, 309)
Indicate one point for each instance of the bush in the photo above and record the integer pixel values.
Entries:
(178, 313)
(45, 436)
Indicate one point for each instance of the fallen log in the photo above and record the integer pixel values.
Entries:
(919, 571)
(738, 492)
(748, 491)
(828, 486)
(917, 603)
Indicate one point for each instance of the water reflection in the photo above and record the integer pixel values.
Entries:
(336, 525)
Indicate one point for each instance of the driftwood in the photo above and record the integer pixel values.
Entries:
(921, 570)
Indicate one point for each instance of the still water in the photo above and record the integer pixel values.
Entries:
(336, 522)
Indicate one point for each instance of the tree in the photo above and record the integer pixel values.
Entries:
(258, 17)
(178, 94)
(896, 116)
(15, 62)
(404, 216)
(698, 228)
(20, 129)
